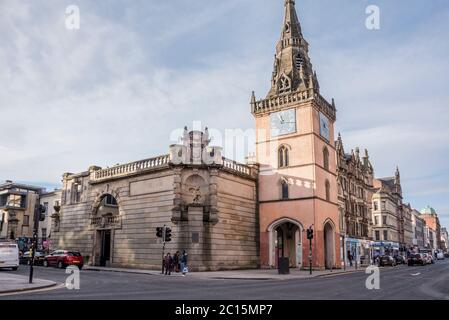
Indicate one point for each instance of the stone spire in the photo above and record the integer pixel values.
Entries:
(292, 27)
(292, 70)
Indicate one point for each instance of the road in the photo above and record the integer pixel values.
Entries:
(401, 282)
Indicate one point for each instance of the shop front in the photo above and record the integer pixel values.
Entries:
(358, 252)
(385, 248)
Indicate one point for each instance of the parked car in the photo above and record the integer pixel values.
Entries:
(432, 258)
(9, 255)
(387, 260)
(399, 259)
(427, 258)
(39, 258)
(416, 258)
(440, 256)
(64, 258)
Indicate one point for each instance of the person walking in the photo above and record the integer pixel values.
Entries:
(184, 260)
(168, 264)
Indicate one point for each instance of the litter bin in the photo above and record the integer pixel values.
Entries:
(283, 265)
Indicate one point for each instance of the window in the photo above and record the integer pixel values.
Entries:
(46, 208)
(376, 205)
(44, 234)
(385, 235)
(384, 205)
(299, 62)
(26, 220)
(384, 220)
(326, 158)
(284, 189)
(77, 189)
(283, 157)
(328, 190)
(110, 200)
(376, 220)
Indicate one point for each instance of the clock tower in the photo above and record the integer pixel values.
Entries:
(296, 153)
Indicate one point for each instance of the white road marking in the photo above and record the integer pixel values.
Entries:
(415, 274)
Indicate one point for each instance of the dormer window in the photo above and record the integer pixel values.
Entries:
(284, 84)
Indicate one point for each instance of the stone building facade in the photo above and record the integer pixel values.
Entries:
(355, 177)
(406, 227)
(296, 152)
(433, 222)
(209, 202)
(418, 225)
(387, 212)
(17, 203)
(52, 202)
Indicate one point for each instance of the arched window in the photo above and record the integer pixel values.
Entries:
(283, 157)
(328, 190)
(326, 158)
(284, 185)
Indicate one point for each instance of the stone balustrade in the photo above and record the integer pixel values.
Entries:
(130, 168)
(114, 221)
(238, 168)
(278, 102)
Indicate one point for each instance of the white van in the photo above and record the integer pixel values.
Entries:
(9, 255)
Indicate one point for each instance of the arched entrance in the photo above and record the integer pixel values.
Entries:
(329, 245)
(105, 218)
(285, 241)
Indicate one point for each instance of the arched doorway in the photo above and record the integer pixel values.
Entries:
(329, 245)
(104, 219)
(285, 241)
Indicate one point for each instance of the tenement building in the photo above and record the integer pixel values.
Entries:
(433, 222)
(418, 225)
(406, 234)
(387, 208)
(355, 176)
(296, 152)
(209, 202)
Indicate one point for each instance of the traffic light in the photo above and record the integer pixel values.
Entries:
(167, 234)
(310, 233)
(159, 232)
(40, 212)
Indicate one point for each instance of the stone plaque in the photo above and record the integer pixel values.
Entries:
(151, 186)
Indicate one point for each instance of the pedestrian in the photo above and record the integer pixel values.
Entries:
(168, 264)
(184, 260)
(176, 261)
(350, 258)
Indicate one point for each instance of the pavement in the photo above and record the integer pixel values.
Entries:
(12, 283)
(253, 274)
(429, 282)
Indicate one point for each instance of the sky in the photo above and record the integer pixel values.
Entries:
(119, 88)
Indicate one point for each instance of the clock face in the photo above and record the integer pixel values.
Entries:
(324, 127)
(283, 122)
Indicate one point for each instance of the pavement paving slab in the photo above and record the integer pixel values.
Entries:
(11, 283)
(253, 274)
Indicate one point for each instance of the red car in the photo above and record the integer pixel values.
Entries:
(64, 258)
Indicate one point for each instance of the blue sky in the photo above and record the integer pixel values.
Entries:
(113, 91)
